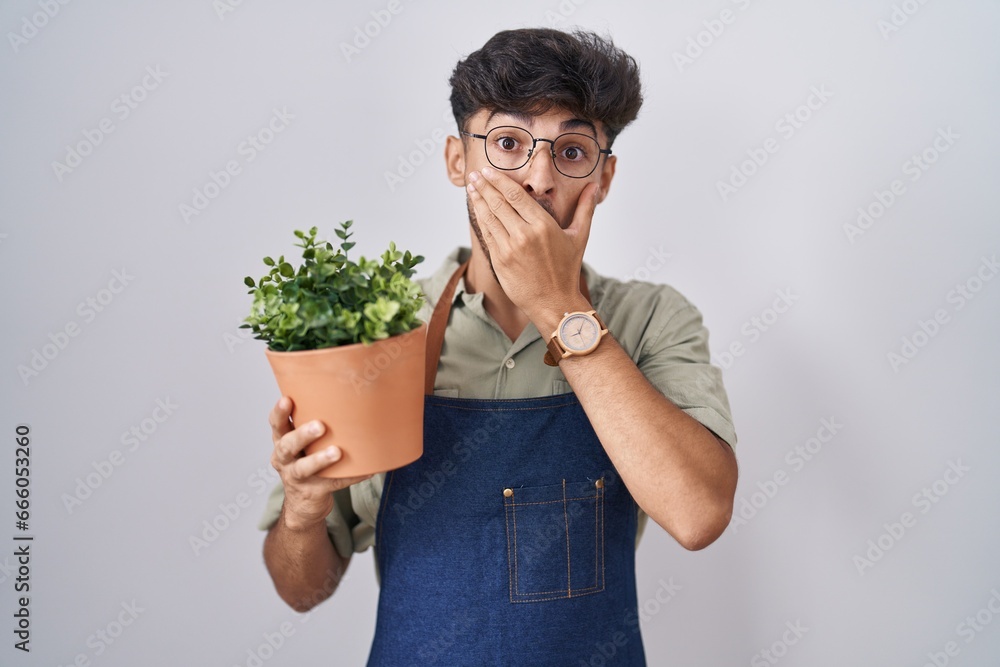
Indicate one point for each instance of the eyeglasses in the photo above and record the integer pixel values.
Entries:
(574, 155)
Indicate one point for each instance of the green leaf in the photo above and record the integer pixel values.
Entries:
(330, 299)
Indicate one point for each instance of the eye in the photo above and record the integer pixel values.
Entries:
(573, 153)
(506, 143)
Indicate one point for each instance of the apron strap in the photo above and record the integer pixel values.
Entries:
(435, 331)
(439, 322)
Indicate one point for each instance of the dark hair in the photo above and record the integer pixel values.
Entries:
(533, 70)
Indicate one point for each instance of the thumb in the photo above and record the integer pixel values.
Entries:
(584, 215)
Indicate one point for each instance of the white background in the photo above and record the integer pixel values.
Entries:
(171, 333)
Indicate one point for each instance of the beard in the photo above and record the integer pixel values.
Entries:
(479, 234)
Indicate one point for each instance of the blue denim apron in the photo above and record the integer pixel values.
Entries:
(511, 541)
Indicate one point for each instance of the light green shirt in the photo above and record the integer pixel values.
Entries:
(654, 324)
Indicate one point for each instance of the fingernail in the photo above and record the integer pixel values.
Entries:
(474, 176)
(316, 428)
(332, 453)
(487, 171)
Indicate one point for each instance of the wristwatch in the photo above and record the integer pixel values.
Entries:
(577, 334)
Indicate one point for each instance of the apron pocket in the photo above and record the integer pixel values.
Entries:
(555, 540)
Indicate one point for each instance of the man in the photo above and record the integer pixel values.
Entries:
(511, 541)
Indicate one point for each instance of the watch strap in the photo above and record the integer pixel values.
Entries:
(556, 353)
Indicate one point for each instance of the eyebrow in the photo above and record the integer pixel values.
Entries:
(528, 119)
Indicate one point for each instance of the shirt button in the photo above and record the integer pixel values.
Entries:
(509, 363)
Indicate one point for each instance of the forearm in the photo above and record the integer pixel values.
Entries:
(303, 563)
(679, 473)
(675, 468)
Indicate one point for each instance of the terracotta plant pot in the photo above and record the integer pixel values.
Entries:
(370, 397)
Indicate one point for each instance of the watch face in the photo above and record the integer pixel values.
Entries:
(579, 332)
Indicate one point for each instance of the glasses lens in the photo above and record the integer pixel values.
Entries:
(576, 154)
(508, 147)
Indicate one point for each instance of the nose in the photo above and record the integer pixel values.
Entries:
(540, 174)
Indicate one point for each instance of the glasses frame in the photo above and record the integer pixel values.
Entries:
(534, 143)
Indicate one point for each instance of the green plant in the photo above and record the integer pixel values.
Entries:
(332, 300)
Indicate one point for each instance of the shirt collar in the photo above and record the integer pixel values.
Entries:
(437, 281)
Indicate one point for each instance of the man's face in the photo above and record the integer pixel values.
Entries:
(556, 193)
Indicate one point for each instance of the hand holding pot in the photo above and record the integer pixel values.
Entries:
(308, 497)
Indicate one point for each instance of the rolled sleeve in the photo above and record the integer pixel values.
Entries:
(676, 361)
(340, 522)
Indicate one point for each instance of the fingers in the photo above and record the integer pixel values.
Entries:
(307, 466)
(344, 482)
(288, 457)
(280, 418)
(505, 195)
(490, 207)
(508, 190)
(505, 199)
(308, 497)
(289, 441)
(583, 216)
(289, 446)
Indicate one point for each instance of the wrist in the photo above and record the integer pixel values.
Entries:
(547, 317)
(296, 524)
(578, 334)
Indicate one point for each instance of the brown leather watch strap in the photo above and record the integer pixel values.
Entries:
(555, 353)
